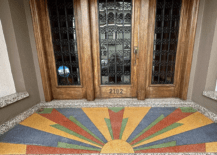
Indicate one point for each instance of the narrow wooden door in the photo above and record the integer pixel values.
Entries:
(113, 47)
(63, 52)
(171, 32)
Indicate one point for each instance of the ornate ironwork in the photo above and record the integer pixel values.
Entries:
(115, 41)
(165, 41)
(62, 21)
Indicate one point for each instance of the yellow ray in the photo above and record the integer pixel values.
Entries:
(193, 121)
(39, 122)
(97, 116)
(7, 148)
(211, 147)
(134, 115)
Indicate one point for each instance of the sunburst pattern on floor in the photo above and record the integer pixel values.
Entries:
(112, 130)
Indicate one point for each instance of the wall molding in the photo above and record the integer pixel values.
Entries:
(10, 99)
(210, 94)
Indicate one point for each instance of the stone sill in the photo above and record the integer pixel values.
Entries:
(210, 94)
(6, 100)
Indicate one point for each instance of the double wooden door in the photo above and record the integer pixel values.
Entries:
(114, 48)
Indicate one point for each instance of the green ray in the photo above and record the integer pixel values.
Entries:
(188, 109)
(108, 122)
(57, 126)
(83, 127)
(46, 111)
(173, 126)
(148, 127)
(116, 109)
(169, 144)
(73, 146)
(123, 125)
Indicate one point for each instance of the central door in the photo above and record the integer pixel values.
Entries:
(114, 51)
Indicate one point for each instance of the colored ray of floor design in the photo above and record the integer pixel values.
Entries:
(112, 130)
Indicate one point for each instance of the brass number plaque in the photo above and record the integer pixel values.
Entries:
(116, 91)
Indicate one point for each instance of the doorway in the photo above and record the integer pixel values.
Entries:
(114, 48)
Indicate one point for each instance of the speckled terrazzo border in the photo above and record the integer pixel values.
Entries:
(210, 94)
(11, 123)
(6, 100)
(107, 103)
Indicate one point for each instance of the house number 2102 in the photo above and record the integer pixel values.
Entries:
(116, 91)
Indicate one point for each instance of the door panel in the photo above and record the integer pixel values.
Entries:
(170, 23)
(65, 56)
(60, 29)
(164, 31)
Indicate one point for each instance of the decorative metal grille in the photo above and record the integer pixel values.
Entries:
(165, 41)
(62, 21)
(115, 41)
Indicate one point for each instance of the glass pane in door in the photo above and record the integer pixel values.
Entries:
(115, 41)
(62, 21)
(165, 41)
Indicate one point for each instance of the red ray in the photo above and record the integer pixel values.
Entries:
(184, 148)
(60, 119)
(169, 120)
(116, 121)
(31, 149)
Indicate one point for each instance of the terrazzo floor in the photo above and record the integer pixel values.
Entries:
(112, 130)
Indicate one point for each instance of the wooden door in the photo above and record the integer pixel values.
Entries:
(170, 41)
(114, 47)
(63, 44)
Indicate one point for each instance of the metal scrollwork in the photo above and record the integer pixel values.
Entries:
(115, 41)
(62, 21)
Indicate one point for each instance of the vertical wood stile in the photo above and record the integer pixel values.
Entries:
(42, 57)
(151, 33)
(87, 54)
(135, 43)
(192, 25)
(95, 47)
(80, 45)
(143, 46)
(183, 39)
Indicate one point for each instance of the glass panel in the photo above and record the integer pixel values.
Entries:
(115, 41)
(64, 39)
(165, 41)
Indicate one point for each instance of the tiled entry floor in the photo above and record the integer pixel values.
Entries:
(112, 130)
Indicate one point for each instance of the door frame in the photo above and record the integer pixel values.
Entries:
(142, 19)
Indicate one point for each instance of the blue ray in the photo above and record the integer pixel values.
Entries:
(79, 115)
(205, 134)
(150, 117)
(25, 135)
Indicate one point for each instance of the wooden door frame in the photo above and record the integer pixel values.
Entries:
(142, 26)
(43, 39)
(185, 49)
